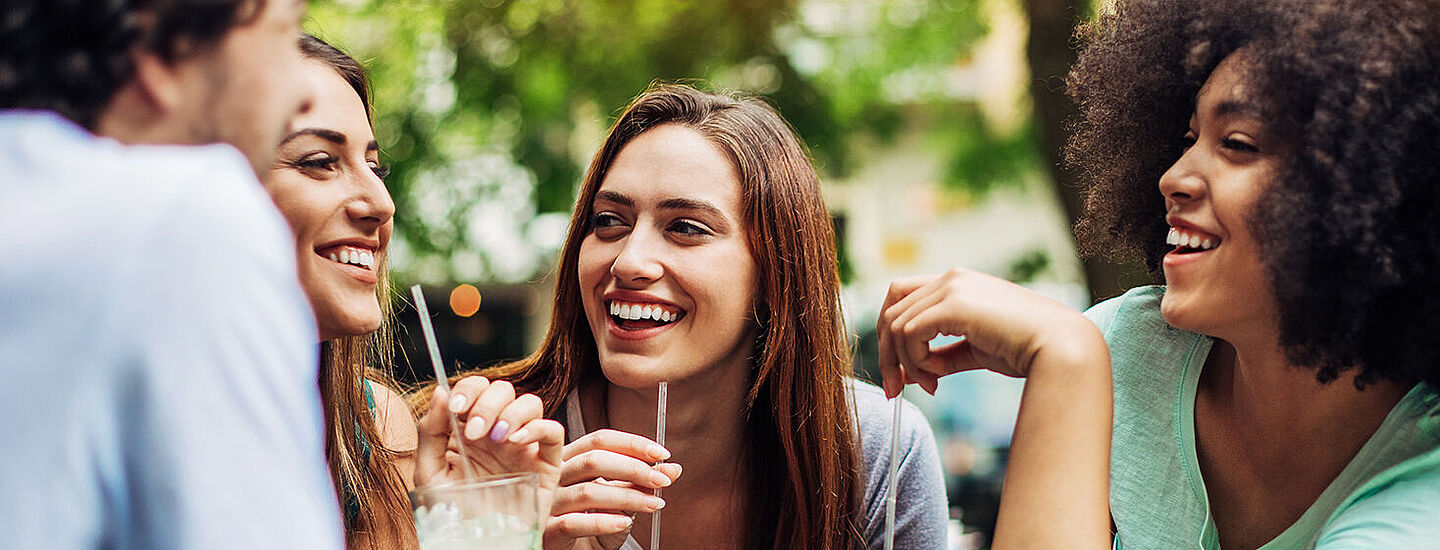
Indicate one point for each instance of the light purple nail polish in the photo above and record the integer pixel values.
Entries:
(501, 429)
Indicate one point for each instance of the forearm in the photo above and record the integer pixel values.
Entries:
(1057, 480)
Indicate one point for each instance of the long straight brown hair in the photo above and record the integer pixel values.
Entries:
(361, 466)
(802, 451)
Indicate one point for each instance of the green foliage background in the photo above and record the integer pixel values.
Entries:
(502, 102)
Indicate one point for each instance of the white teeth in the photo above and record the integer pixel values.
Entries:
(344, 256)
(334, 258)
(638, 312)
(1179, 238)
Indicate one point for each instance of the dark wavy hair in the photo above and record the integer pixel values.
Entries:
(71, 56)
(1350, 228)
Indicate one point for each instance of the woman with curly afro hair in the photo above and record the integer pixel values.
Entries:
(1274, 164)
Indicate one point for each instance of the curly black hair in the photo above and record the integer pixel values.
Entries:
(71, 56)
(1350, 228)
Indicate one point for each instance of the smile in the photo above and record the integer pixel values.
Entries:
(1188, 241)
(640, 316)
(350, 255)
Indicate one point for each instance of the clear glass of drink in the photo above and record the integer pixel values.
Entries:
(489, 513)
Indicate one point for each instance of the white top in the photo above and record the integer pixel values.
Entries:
(156, 352)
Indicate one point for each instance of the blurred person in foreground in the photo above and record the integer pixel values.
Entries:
(157, 347)
(1273, 164)
(328, 182)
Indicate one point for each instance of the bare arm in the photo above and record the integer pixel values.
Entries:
(1056, 486)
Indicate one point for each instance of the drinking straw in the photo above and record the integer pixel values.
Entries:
(659, 438)
(894, 467)
(440, 377)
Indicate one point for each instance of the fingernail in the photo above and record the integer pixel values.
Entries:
(501, 428)
(519, 435)
(657, 452)
(654, 503)
(475, 429)
(457, 403)
(659, 480)
(623, 523)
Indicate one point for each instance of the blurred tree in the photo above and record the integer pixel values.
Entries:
(488, 110)
(1051, 52)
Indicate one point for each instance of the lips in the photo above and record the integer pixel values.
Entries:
(1187, 240)
(637, 316)
(353, 257)
(350, 255)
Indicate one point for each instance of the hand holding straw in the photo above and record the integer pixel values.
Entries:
(894, 467)
(440, 378)
(659, 438)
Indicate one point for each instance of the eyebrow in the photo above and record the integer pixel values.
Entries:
(1232, 107)
(677, 203)
(327, 135)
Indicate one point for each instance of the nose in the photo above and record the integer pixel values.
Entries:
(371, 203)
(1184, 180)
(639, 259)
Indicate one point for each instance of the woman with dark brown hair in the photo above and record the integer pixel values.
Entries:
(329, 184)
(701, 254)
(1273, 164)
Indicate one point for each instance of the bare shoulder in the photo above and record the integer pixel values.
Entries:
(393, 418)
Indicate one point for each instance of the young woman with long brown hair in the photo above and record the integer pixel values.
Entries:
(701, 253)
(328, 183)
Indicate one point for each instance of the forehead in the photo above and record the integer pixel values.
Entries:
(674, 161)
(1227, 85)
(336, 104)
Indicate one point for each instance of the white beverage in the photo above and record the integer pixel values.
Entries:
(443, 527)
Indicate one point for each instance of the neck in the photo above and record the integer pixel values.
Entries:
(1255, 380)
(704, 424)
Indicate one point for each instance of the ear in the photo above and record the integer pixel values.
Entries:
(158, 83)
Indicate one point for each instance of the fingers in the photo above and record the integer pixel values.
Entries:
(624, 443)
(889, 366)
(911, 334)
(599, 463)
(483, 417)
(549, 434)
(596, 495)
(559, 530)
(433, 434)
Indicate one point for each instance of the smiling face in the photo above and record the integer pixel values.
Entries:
(327, 183)
(666, 275)
(1216, 282)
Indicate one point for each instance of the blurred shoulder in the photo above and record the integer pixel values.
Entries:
(392, 417)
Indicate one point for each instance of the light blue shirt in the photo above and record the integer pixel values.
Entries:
(157, 354)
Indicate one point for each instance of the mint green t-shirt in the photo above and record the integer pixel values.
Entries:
(1387, 497)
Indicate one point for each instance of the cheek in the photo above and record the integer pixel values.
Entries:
(592, 265)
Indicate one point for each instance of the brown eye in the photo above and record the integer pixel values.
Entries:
(318, 163)
(606, 225)
(1238, 145)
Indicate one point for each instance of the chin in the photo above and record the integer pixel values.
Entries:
(336, 327)
(633, 372)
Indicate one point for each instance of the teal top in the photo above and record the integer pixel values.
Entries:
(1387, 497)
